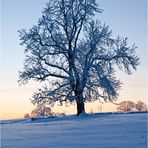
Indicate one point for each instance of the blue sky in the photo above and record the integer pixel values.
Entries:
(127, 18)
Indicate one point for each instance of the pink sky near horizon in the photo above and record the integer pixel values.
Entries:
(17, 103)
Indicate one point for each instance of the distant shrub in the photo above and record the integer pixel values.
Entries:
(26, 116)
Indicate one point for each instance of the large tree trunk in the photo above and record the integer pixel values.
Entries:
(80, 107)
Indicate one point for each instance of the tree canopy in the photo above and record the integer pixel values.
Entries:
(74, 55)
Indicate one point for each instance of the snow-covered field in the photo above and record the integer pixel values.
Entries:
(90, 131)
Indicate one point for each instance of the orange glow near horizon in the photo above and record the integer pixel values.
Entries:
(17, 105)
(14, 102)
(15, 112)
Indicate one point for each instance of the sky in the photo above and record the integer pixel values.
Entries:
(128, 18)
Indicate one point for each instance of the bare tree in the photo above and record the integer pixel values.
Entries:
(74, 55)
(126, 106)
(41, 110)
(141, 106)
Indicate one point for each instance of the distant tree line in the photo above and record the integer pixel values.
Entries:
(42, 111)
(129, 106)
(124, 106)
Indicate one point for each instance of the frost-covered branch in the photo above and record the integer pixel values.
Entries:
(75, 51)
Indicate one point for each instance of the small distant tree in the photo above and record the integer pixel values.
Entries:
(141, 106)
(126, 106)
(74, 55)
(41, 110)
(27, 116)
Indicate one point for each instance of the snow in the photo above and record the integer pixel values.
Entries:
(87, 131)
